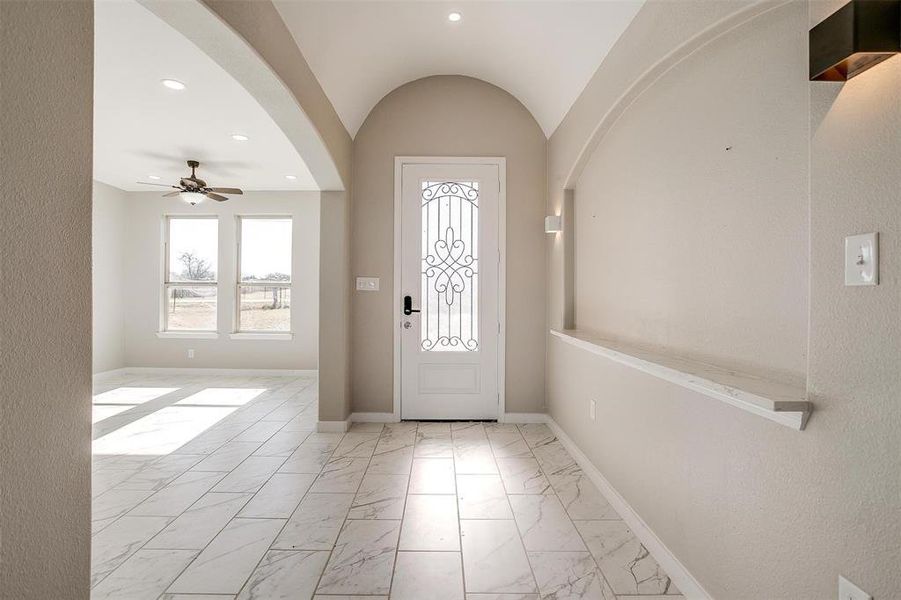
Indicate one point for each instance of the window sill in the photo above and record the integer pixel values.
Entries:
(284, 337)
(187, 335)
(785, 404)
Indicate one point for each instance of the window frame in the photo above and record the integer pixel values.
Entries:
(238, 332)
(164, 330)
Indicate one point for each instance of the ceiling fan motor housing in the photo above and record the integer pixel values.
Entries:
(193, 181)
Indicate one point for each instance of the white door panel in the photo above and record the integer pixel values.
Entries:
(450, 269)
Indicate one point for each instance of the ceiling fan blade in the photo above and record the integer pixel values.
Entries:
(226, 190)
(216, 197)
(171, 194)
(159, 184)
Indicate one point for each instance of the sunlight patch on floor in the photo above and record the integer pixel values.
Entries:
(163, 431)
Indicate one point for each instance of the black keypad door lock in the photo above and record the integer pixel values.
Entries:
(408, 306)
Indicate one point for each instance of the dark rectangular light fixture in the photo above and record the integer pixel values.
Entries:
(859, 35)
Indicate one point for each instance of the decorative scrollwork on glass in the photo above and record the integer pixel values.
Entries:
(450, 266)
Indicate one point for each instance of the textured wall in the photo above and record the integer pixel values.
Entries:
(691, 214)
(661, 33)
(108, 268)
(855, 333)
(45, 312)
(334, 307)
(448, 116)
(144, 258)
(745, 496)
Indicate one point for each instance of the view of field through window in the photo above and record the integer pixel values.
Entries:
(193, 246)
(265, 284)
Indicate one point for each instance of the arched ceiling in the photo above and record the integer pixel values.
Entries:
(542, 52)
(142, 129)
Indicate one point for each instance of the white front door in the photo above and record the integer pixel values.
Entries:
(450, 268)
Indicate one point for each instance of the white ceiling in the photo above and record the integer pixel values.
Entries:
(142, 128)
(542, 52)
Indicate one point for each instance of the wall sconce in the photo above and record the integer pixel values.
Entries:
(553, 224)
(859, 35)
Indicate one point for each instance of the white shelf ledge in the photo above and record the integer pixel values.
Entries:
(187, 335)
(783, 403)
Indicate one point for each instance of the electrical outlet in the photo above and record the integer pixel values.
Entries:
(191, 353)
(849, 591)
(592, 409)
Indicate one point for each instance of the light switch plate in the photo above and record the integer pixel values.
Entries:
(367, 284)
(849, 591)
(862, 259)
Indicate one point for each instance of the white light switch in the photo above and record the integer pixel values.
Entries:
(367, 284)
(862, 259)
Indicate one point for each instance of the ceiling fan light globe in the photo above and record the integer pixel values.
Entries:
(191, 198)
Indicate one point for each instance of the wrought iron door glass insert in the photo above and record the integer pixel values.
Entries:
(450, 274)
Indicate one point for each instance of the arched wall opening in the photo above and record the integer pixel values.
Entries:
(250, 41)
(448, 115)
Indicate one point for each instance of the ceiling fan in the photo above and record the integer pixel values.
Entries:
(192, 190)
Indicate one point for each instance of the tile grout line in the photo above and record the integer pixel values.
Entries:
(513, 513)
(404, 511)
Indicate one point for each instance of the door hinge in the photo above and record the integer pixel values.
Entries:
(498, 327)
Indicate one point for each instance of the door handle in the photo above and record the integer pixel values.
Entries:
(408, 306)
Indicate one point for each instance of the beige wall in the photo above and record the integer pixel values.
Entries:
(45, 312)
(691, 214)
(108, 276)
(660, 35)
(855, 353)
(334, 307)
(448, 116)
(751, 508)
(144, 215)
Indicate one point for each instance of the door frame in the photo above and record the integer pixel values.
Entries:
(501, 163)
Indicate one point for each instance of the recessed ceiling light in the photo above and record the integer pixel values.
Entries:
(291, 177)
(153, 177)
(173, 84)
(454, 17)
(239, 137)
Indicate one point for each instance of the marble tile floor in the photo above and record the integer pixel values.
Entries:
(219, 488)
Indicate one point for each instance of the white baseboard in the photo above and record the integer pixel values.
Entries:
(332, 426)
(685, 581)
(373, 417)
(524, 418)
(211, 371)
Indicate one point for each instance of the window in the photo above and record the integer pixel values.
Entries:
(450, 266)
(190, 286)
(264, 274)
